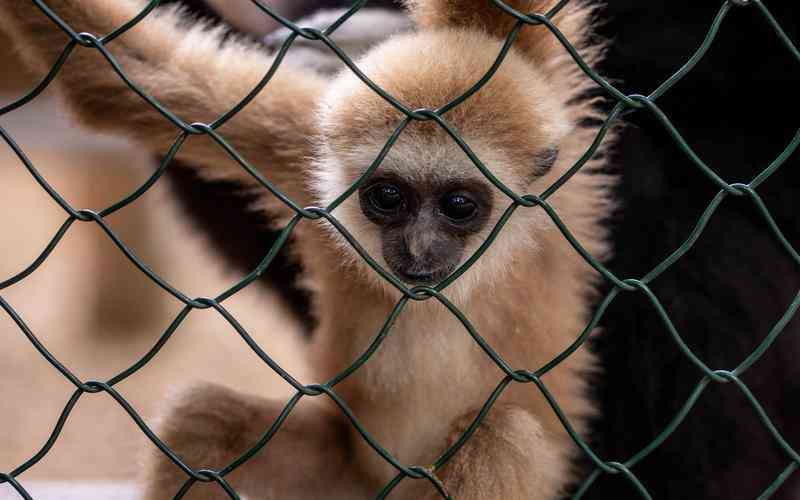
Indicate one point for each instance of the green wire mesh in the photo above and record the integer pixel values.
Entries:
(625, 104)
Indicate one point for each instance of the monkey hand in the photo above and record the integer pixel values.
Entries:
(510, 456)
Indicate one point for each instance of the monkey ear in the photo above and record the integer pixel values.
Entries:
(536, 41)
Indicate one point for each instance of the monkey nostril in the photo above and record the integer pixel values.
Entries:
(421, 260)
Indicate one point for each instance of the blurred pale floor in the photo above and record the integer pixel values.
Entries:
(72, 490)
(97, 313)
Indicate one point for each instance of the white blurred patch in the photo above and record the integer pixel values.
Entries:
(367, 28)
(76, 490)
(73, 490)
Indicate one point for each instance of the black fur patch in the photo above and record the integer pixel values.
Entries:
(726, 294)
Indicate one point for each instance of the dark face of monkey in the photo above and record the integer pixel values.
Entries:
(425, 226)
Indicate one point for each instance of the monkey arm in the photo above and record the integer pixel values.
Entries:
(483, 13)
(187, 69)
(211, 426)
(536, 41)
(473, 13)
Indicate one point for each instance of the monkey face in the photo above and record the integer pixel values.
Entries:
(425, 227)
(427, 208)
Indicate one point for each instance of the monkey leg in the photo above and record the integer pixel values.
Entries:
(211, 426)
(510, 456)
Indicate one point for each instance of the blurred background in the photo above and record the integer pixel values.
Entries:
(97, 313)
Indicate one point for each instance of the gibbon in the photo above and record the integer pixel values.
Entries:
(420, 215)
(757, 277)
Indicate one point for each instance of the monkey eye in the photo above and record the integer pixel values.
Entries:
(386, 198)
(458, 207)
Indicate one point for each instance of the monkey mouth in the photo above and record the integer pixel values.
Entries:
(413, 278)
(420, 272)
(423, 277)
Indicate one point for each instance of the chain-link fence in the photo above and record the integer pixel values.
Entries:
(513, 375)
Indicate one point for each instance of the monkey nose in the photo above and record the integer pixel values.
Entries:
(420, 244)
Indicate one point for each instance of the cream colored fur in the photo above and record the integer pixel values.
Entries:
(528, 296)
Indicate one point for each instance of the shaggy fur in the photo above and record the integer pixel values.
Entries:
(528, 296)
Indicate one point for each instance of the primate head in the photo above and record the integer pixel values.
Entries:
(427, 207)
